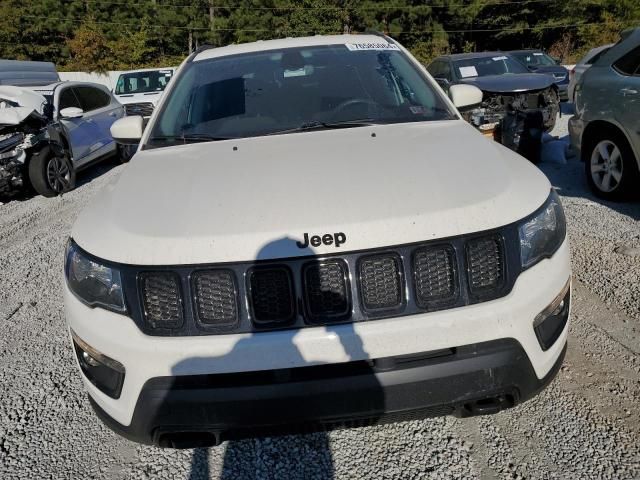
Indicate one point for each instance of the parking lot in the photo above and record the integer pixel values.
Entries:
(585, 425)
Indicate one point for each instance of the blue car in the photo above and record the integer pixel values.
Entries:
(48, 133)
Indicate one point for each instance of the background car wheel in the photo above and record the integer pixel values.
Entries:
(51, 175)
(610, 166)
(125, 152)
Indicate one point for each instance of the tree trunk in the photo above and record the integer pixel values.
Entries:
(190, 42)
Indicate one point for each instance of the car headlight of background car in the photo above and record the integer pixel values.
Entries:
(542, 233)
(93, 283)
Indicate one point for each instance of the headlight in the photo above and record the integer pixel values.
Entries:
(543, 233)
(95, 284)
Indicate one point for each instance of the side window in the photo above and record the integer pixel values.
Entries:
(629, 63)
(68, 99)
(92, 98)
(595, 58)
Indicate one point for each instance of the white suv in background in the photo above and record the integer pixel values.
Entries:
(309, 237)
(140, 90)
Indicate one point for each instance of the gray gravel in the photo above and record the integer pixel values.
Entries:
(585, 425)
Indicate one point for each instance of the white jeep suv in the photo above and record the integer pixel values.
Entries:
(311, 237)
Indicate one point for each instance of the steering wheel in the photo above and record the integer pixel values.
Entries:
(351, 102)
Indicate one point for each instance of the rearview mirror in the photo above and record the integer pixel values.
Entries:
(71, 112)
(128, 130)
(465, 95)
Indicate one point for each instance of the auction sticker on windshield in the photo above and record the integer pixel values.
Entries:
(468, 71)
(371, 46)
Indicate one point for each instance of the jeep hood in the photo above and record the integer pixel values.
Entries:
(511, 82)
(239, 200)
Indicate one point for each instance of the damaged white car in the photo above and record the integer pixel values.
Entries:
(49, 133)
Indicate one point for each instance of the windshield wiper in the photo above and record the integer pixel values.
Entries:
(315, 125)
(190, 138)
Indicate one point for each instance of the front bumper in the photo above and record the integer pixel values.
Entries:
(146, 358)
(203, 410)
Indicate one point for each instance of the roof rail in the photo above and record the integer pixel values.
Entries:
(204, 46)
(377, 33)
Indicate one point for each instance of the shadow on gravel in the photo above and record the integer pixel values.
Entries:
(97, 170)
(247, 404)
(199, 465)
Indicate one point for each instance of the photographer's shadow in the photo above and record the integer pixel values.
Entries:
(292, 456)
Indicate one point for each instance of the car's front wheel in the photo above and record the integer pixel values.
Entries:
(611, 168)
(51, 175)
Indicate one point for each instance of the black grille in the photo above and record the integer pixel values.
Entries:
(486, 264)
(161, 299)
(326, 291)
(380, 282)
(297, 292)
(216, 297)
(271, 295)
(435, 275)
(144, 108)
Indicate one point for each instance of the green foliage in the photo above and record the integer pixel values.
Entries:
(98, 35)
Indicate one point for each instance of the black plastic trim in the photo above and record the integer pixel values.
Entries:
(387, 311)
(140, 281)
(211, 326)
(266, 323)
(327, 319)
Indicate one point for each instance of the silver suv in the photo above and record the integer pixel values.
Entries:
(606, 127)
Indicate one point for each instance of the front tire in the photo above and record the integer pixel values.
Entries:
(610, 166)
(51, 175)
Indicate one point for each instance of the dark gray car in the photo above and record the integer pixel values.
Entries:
(606, 126)
(538, 61)
(517, 105)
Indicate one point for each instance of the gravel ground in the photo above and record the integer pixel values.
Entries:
(585, 425)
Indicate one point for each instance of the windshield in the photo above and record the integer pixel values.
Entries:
(143, 82)
(535, 59)
(280, 91)
(483, 66)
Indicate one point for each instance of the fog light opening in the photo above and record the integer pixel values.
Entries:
(105, 373)
(550, 323)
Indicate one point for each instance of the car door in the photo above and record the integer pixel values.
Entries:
(627, 109)
(80, 133)
(101, 110)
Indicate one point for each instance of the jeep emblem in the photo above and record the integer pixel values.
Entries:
(336, 239)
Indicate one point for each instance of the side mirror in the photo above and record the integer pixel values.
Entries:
(128, 130)
(465, 95)
(71, 112)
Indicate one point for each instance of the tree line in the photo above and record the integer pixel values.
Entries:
(100, 35)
